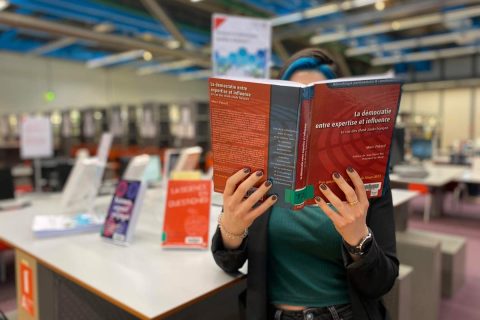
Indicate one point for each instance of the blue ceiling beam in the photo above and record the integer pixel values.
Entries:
(83, 14)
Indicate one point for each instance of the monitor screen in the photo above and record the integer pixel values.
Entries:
(421, 148)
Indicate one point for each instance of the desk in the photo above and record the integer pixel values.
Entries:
(143, 279)
(401, 198)
(438, 177)
(469, 176)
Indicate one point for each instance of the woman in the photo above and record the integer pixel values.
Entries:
(317, 263)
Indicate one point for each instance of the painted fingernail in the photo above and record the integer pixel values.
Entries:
(259, 173)
(274, 197)
(268, 183)
(246, 170)
(318, 199)
(350, 169)
(336, 175)
(323, 186)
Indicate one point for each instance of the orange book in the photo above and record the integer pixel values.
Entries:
(187, 214)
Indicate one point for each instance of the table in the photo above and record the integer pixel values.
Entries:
(401, 198)
(143, 279)
(438, 177)
(155, 283)
(468, 176)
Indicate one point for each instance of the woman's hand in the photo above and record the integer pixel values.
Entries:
(238, 211)
(350, 218)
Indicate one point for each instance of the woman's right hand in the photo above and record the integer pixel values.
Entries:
(238, 209)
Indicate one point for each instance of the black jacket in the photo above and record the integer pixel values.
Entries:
(368, 278)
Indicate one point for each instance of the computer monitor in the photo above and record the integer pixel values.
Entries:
(421, 148)
(397, 151)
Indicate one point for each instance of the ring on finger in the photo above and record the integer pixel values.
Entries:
(353, 203)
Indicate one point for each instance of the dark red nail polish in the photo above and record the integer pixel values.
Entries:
(246, 170)
(274, 197)
(336, 175)
(318, 199)
(323, 186)
(268, 183)
(259, 173)
(350, 169)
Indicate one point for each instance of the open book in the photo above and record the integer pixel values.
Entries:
(299, 135)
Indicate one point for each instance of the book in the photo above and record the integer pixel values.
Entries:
(299, 135)
(119, 224)
(45, 226)
(187, 214)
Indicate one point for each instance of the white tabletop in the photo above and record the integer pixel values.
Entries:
(143, 278)
(438, 175)
(400, 196)
(469, 177)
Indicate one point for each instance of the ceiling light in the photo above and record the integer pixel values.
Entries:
(195, 0)
(4, 4)
(395, 25)
(147, 56)
(173, 44)
(380, 5)
(104, 27)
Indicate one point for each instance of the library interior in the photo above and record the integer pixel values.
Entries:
(243, 159)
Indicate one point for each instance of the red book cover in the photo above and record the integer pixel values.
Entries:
(351, 125)
(299, 135)
(187, 214)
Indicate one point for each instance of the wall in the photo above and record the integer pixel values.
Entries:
(24, 80)
(457, 111)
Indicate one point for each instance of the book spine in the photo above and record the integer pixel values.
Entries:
(303, 192)
(285, 105)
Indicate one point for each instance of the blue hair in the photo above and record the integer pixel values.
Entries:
(308, 63)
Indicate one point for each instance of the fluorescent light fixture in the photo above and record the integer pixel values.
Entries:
(459, 37)
(195, 75)
(401, 24)
(4, 4)
(329, 37)
(319, 11)
(426, 55)
(144, 71)
(195, 0)
(115, 58)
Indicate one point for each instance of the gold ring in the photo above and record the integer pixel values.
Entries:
(353, 203)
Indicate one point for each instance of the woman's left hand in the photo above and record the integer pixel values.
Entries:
(350, 218)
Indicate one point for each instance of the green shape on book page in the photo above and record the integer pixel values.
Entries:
(164, 236)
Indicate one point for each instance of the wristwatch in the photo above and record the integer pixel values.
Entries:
(361, 248)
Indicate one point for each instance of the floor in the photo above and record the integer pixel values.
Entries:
(463, 221)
